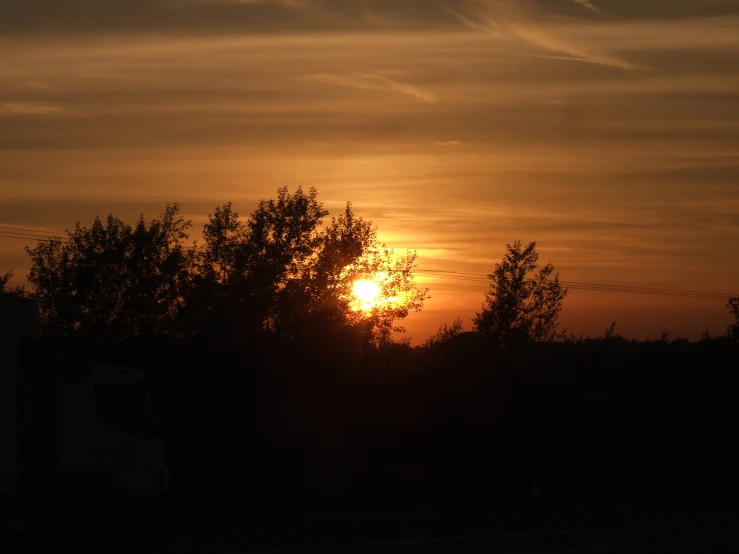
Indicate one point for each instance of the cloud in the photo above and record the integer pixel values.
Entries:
(29, 108)
(226, 17)
(621, 161)
(504, 20)
(371, 81)
(589, 5)
(291, 4)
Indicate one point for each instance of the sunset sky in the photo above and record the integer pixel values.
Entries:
(606, 130)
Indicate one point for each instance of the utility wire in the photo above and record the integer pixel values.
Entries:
(575, 285)
(592, 286)
(4, 228)
(477, 276)
(460, 276)
(29, 237)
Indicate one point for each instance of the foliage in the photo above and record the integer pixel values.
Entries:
(445, 333)
(247, 272)
(611, 333)
(112, 281)
(398, 292)
(280, 271)
(4, 288)
(524, 302)
(733, 305)
(219, 270)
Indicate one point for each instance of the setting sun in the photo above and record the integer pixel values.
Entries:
(366, 293)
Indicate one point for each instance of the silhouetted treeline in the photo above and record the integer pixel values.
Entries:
(280, 272)
(281, 397)
(337, 424)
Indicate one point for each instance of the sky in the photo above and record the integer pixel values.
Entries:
(605, 130)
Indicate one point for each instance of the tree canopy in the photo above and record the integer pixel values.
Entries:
(6, 288)
(282, 270)
(524, 300)
(114, 281)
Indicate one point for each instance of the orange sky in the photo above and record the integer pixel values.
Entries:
(608, 131)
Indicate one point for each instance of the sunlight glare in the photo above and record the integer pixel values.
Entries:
(367, 293)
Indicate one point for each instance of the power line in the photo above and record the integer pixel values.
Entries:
(29, 237)
(603, 288)
(647, 292)
(624, 288)
(576, 285)
(477, 276)
(708, 296)
(4, 228)
(460, 276)
(481, 277)
(647, 288)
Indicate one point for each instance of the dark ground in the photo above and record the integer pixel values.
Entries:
(598, 529)
(432, 533)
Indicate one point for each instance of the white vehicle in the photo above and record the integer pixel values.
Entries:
(80, 458)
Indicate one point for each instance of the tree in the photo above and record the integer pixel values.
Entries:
(283, 271)
(4, 288)
(246, 269)
(733, 306)
(524, 301)
(349, 252)
(283, 236)
(213, 304)
(611, 333)
(112, 281)
(446, 333)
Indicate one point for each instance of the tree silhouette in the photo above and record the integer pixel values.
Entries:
(445, 333)
(524, 302)
(611, 333)
(281, 272)
(112, 281)
(4, 288)
(212, 307)
(246, 269)
(733, 306)
(393, 274)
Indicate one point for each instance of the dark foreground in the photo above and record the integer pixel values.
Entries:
(427, 533)
(432, 533)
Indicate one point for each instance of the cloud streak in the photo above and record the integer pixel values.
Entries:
(372, 81)
(506, 20)
(29, 108)
(290, 4)
(589, 5)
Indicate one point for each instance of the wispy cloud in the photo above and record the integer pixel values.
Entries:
(504, 19)
(447, 143)
(29, 108)
(372, 81)
(589, 5)
(283, 3)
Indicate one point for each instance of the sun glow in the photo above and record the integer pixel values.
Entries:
(366, 293)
